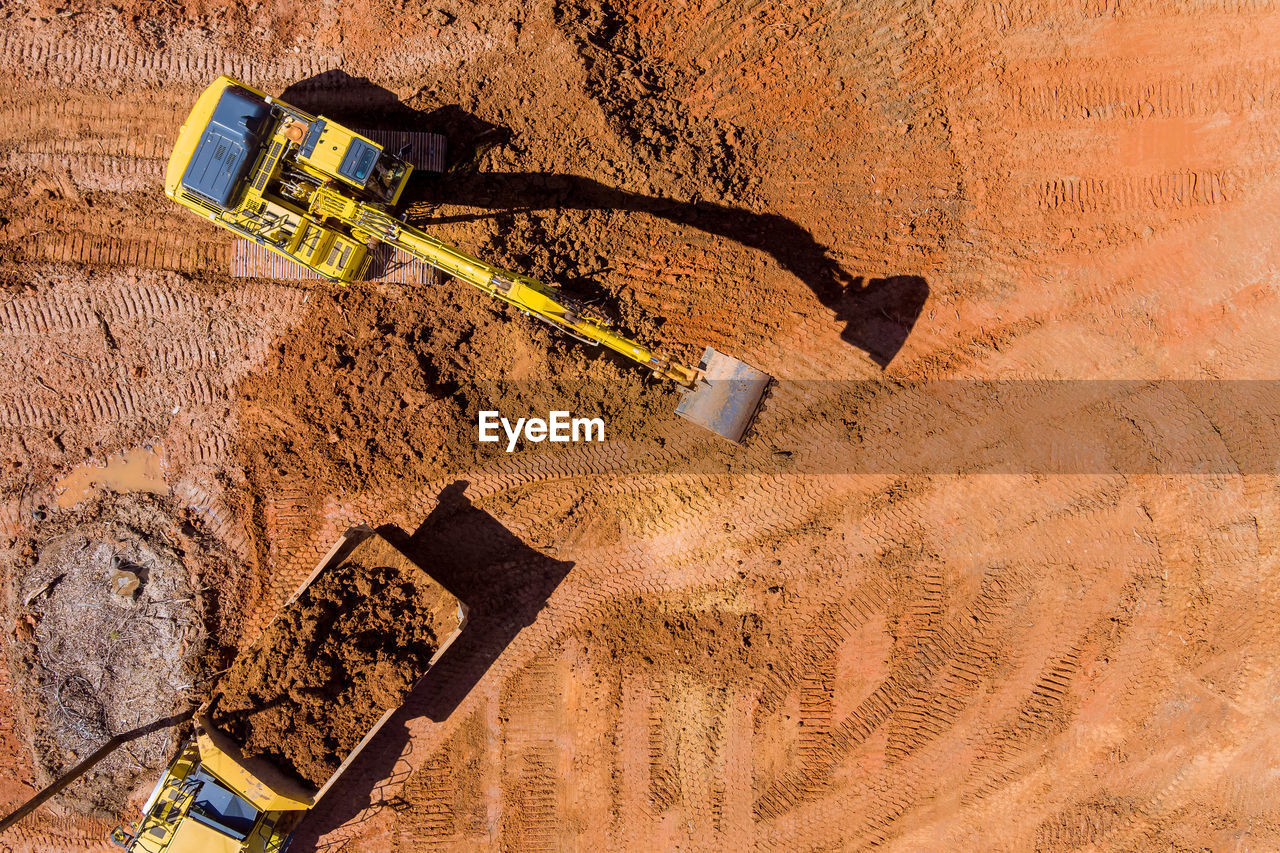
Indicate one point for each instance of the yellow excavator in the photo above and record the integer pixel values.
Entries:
(325, 197)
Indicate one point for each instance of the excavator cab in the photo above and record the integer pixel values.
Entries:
(330, 151)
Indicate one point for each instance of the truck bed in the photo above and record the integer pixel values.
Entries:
(337, 660)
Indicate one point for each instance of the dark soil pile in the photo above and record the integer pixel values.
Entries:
(350, 648)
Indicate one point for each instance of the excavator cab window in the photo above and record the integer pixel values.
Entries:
(388, 175)
(358, 162)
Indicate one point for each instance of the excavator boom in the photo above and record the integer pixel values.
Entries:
(529, 295)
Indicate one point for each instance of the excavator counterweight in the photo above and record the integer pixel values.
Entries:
(323, 196)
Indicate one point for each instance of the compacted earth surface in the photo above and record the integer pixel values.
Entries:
(996, 569)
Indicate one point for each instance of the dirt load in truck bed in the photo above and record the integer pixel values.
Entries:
(345, 651)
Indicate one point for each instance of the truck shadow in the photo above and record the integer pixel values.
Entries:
(878, 313)
(504, 583)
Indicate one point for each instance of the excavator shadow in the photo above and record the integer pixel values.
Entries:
(878, 313)
(504, 583)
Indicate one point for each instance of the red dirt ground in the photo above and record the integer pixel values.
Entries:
(675, 645)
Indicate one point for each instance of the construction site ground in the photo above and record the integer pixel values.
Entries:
(674, 644)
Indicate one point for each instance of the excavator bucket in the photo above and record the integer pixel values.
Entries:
(727, 395)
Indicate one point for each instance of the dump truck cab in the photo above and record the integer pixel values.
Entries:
(207, 801)
(251, 164)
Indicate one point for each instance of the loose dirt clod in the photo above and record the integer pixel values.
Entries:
(349, 649)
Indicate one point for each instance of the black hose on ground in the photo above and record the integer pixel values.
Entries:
(84, 766)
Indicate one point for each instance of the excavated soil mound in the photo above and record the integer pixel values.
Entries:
(379, 388)
(321, 675)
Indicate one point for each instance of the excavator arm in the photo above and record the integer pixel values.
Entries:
(533, 297)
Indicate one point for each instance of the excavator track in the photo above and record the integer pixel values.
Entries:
(389, 264)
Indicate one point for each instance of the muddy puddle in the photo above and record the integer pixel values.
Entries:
(141, 469)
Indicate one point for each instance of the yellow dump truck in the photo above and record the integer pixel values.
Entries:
(213, 798)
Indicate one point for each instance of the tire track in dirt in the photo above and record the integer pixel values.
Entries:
(136, 120)
(1106, 746)
(433, 819)
(530, 791)
(1010, 17)
(737, 777)
(72, 63)
(167, 251)
(187, 368)
(1064, 97)
(1177, 190)
(44, 834)
(663, 790)
(881, 815)
(1102, 286)
(1148, 687)
(634, 771)
(829, 628)
(1066, 195)
(219, 517)
(101, 172)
